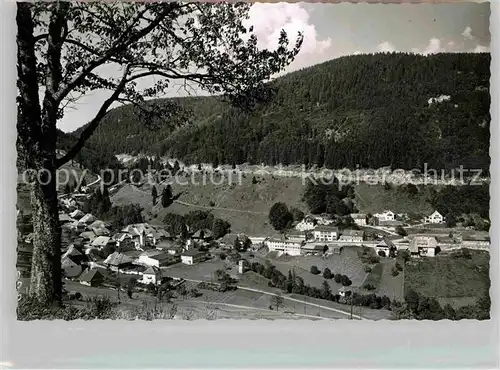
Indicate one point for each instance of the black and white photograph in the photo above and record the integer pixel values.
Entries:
(259, 161)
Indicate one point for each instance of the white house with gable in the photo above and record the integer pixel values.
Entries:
(308, 223)
(385, 216)
(325, 233)
(435, 218)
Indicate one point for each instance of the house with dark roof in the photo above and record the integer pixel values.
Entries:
(325, 233)
(70, 268)
(92, 278)
(192, 256)
(117, 260)
(423, 246)
(385, 247)
(352, 236)
(203, 235)
(102, 241)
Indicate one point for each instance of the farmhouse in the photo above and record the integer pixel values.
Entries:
(325, 233)
(77, 214)
(384, 216)
(308, 223)
(91, 278)
(424, 246)
(151, 275)
(289, 247)
(70, 268)
(359, 218)
(117, 260)
(435, 218)
(102, 241)
(353, 236)
(157, 258)
(87, 219)
(192, 256)
(385, 247)
(203, 235)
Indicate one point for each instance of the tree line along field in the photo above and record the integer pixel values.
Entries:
(458, 281)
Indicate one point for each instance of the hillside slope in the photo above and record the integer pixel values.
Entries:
(369, 110)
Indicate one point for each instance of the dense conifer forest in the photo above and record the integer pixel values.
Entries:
(366, 110)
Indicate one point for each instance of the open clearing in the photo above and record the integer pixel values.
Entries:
(445, 278)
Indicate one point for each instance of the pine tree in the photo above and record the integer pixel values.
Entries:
(166, 196)
(154, 194)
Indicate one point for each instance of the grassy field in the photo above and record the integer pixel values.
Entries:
(455, 280)
(245, 205)
(374, 276)
(347, 263)
(374, 198)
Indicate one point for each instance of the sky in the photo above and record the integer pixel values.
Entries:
(334, 30)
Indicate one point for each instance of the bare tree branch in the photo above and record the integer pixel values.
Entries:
(89, 130)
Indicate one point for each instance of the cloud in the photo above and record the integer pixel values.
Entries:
(467, 33)
(433, 47)
(268, 21)
(481, 49)
(386, 47)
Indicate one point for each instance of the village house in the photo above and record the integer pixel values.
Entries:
(77, 214)
(92, 278)
(152, 275)
(64, 218)
(192, 256)
(325, 233)
(385, 247)
(313, 248)
(352, 236)
(101, 241)
(87, 219)
(157, 258)
(88, 236)
(359, 218)
(116, 261)
(385, 216)
(204, 235)
(70, 268)
(308, 223)
(423, 246)
(290, 247)
(295, 236)
(435, 218)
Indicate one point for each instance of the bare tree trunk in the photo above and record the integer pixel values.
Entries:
(46, 283)
(36, 144)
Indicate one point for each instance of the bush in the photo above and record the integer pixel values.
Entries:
(374, 259)
(315, 270)
(369, 287)
(398, 266)
(381, 253)
(368, 269)
(327, 273)
(394, 271)
(337, 278)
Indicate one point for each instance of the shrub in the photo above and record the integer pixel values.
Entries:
(315, 270)
(398, 266)
(369, 287)
(327, 273)
(381, 253)
(368, 269)
(338, 278)
(394, 271)
(374, 259)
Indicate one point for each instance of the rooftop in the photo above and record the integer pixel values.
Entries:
(325, 228)
(353, 233)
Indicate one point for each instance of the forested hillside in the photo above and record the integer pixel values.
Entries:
(366, 110)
